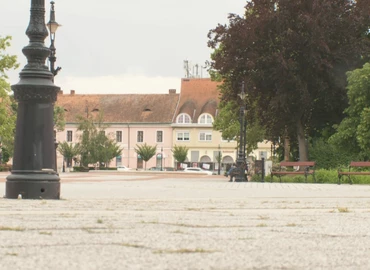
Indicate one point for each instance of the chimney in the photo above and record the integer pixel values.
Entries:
(73, 92)
(172, 91)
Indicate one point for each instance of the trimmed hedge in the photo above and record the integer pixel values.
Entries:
(80, 169)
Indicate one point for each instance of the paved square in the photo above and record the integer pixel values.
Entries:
(135, 220)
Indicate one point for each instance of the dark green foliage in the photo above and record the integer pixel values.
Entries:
(329, 156)
(293, 56)
(353, 133)
(80, 169)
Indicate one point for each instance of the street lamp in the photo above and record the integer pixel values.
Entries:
(162, 158)
(32, 175)
(219, 160)
(52, 26)
(240, 162)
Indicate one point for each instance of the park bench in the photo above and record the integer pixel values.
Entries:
(353, 165)
(302, 168)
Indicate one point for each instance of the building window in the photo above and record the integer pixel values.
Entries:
(118, 136)
(159, 136)
(205, 136)
(205, 119)
(183, 136)
(183, 119)
(140, 136)
(69, 135)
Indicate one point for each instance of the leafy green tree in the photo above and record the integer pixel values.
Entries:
(180, 152)
(353, 133)
(292, 55)
(96, 146)
(59, 118)
(104, 149)
(227, 122)
(69, 151)
(146, 151)
(7, 113)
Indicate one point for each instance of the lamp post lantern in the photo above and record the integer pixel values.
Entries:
(53, 26)
(33, 175)
(240, 162)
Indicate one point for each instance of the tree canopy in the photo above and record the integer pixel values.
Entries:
(7, 109)
(95, 145)
(180, 152)
(353, 132)
(145, 151)
(293, 56)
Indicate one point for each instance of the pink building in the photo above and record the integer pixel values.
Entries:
(133, 119)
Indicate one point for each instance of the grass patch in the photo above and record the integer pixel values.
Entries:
(343, 210)
(184, 251)
(11, 254)
(291, 224)
(100, 221)
(132, 245)
(262, 225)
(46, 233)
(16, 229)
(263, 217)
(178, 231)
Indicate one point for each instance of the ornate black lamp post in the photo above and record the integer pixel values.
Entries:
(240, 162)
(33, 176)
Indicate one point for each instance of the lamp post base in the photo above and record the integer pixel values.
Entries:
(32, 185)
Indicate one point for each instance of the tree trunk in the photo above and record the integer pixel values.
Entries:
(302, 144)
(286, 148)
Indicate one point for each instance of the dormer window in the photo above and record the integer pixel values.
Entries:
(205, 119)
(183, 119)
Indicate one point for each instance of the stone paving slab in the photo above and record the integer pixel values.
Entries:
(136, 221)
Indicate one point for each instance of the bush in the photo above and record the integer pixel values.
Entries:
(80, 169)
(328, 156)
(5, 168)
(108, 168)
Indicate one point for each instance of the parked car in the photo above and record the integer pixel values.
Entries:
(162, 169)
(123, 168)
(198, 170)
(154, 169)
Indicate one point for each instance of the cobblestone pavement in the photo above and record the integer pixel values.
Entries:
(173, 221)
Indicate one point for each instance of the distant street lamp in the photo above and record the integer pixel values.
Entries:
(33, 175)
(240, 162)
(219, 160)
(53, 26)
(161, 158)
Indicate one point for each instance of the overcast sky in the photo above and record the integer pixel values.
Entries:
(122, 46)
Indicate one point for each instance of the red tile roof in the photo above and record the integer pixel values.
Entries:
(121, 108)
(198, 96)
